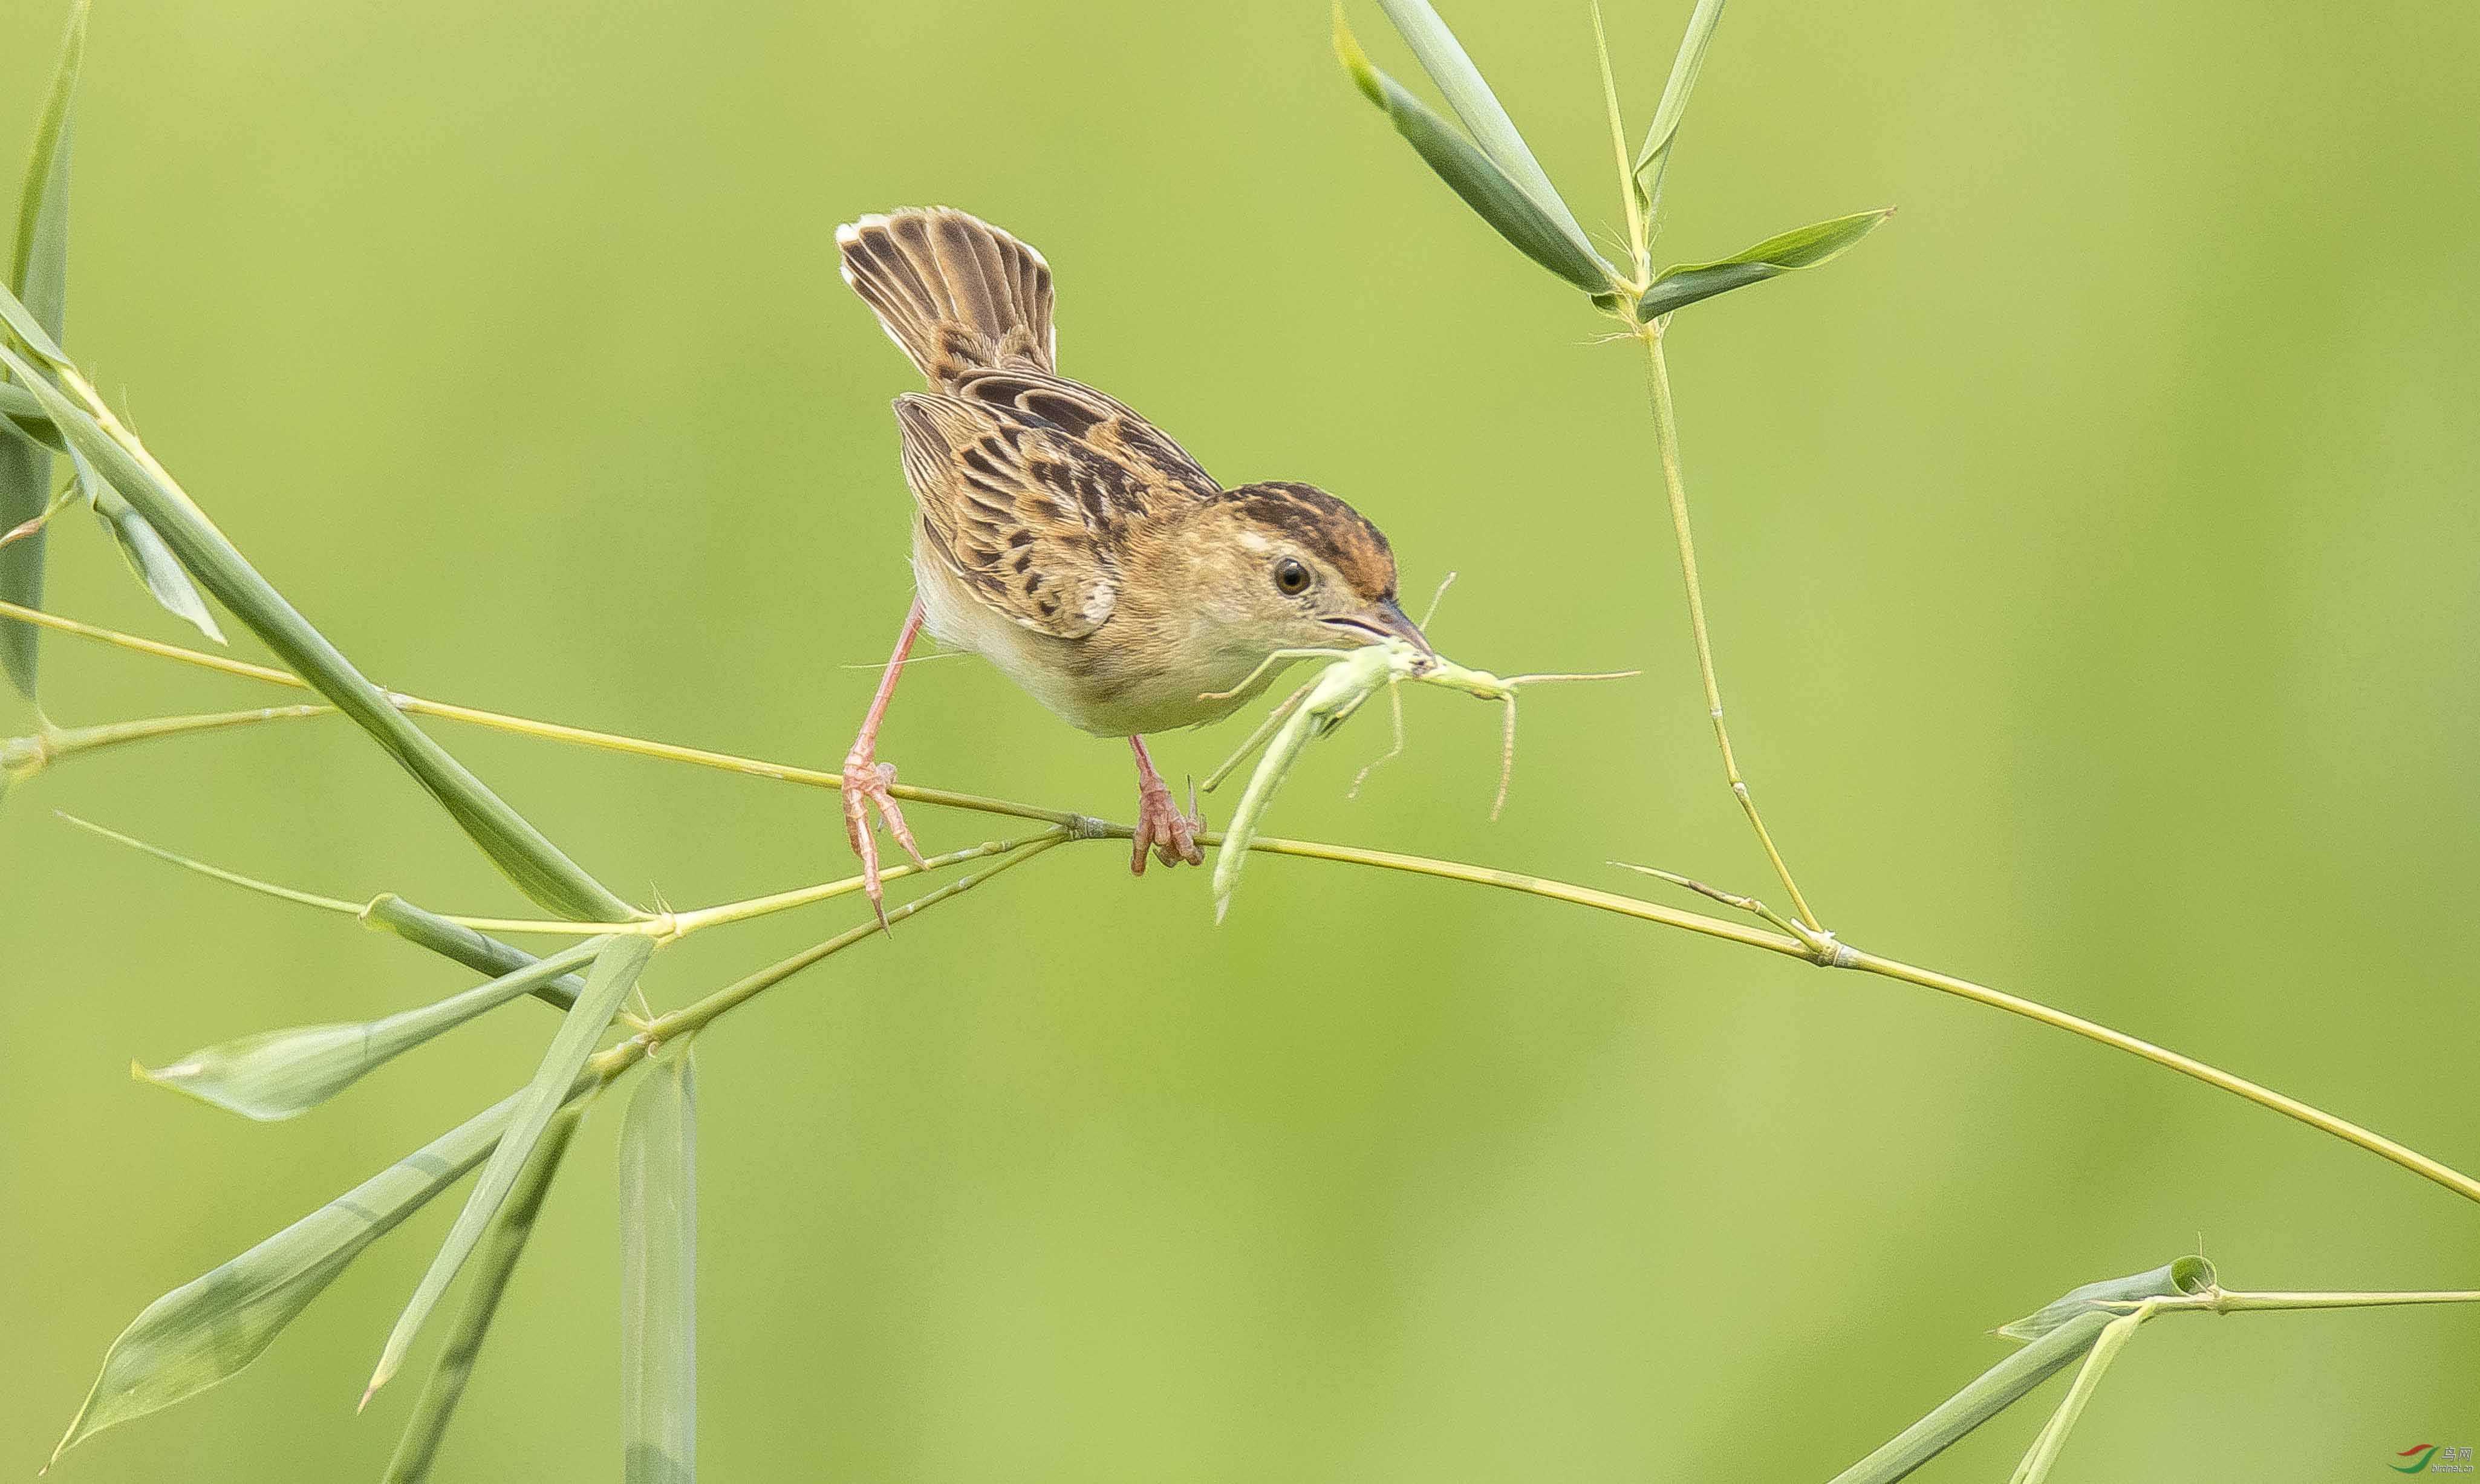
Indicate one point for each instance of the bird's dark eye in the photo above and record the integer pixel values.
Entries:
(1291, 576)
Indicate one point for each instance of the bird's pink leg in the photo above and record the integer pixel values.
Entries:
(1160, 825)
(866, 779)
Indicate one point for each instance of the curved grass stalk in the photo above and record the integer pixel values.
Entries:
(1665, 429)
(663, 927)
(1825, 952)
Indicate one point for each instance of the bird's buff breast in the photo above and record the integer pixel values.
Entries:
(1116, 682)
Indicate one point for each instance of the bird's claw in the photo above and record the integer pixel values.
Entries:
(865, 783)
(1172, 835)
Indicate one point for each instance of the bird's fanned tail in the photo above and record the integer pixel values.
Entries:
(956, 294)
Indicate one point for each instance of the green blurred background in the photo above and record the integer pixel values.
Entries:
(2091, 558)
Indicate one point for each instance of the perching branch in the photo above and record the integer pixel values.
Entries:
(1824, 950)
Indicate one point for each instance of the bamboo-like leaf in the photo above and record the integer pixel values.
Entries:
(205, 1331)
(1460, 83)
(522, 852)
(1539, 229)
(32, 338)
(1993, 1391)
(1806, 246)
(475, 951)
(2190, 1274)
(1653, 161)
(153, 563)
(21, 417)
(493, 1267)
(2060, 1333)
(142, 550)
(2044, 1451)
(659, 1275)
(38, 275)
(284, 1073)
(614, 974)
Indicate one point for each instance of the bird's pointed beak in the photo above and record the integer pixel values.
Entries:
(1383, 619)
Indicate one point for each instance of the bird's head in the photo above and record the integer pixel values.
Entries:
(1289, 566)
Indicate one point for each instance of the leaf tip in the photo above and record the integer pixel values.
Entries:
(1347, 50)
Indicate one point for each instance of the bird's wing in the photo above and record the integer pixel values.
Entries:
(1009, 504)
(1157, 469)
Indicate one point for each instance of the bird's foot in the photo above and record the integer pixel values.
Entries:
(865, 783)
(1163, 829)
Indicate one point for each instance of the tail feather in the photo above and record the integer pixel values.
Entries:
(955, 293)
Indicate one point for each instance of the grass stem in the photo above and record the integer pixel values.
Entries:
(1665, 433)
(1822, 949)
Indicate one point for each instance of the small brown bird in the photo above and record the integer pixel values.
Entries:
(1068, 541)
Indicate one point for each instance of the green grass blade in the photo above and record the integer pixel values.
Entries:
(284, 1073)
(1461, 84)
(1546, 236)
(659, 1275)
(475, 951)
(153, 563)
(614, 974)
(2189, 1275)
(38, 275)
(205, 1331)
(1806, 246)
(1653, 161)
(1996, 1389)
(142, 550)
(21, 416)
(2043, 1455)
(493, 1267)
(2060, 1333)
(522, 852)
(38, 272)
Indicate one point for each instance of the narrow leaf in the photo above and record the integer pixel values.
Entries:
(153, 563)
(2189, 1275)
(2060, 1333)
(527, 856)
(142, 550)
(1993, 1391)
(658, 1276)
(39, 274)
(32, 337)
(22, 418)
(1653, 161)
(493, 1267)
(284, 1073)
(205, 1331)
(1532, 226)
(475, 951)
(1804, 247)
(2043, 1455)
(614, 974)
(1444, 59)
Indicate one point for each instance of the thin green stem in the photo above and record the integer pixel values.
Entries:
(696, 1017)
(22, 757)
(2229, 1301)
(1665, 431)
(1823, 951)
(664, 927)
(218, 873)
(526, 726)
(2262, 1096)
